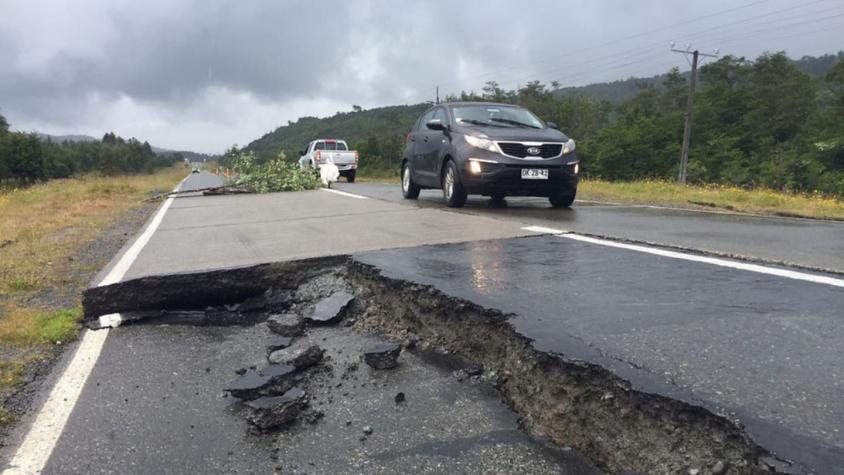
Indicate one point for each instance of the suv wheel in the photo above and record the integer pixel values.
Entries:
(350, 176)
(562, 199)
(409, 190)
(453, 191)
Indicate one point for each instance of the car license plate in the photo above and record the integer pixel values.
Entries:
(534, 173)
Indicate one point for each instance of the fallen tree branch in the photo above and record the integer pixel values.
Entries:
(214, 190)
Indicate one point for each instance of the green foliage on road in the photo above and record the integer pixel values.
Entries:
(771, 123)
(26, 158)
(277, 174)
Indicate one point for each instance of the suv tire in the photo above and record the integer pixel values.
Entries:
(453, 191)
(562, 199)
(409, 190)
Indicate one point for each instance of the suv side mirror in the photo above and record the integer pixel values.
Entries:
(436, 124)
(552, 125)
(303, 153)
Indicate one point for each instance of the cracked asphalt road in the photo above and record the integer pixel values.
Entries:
(810, 243)
(766, 348)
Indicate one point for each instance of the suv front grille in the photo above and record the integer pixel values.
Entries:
(520, 150)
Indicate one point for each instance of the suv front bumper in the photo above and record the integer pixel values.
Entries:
(505, 178)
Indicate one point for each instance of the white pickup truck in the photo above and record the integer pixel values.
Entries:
(320, 151)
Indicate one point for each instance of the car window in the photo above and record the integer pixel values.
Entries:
(439, 113)
(425, 118)
(495, 115)
(319, 146)
(331, 145)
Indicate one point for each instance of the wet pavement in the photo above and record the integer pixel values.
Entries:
(154, 404)
(217, 232)
(764, 348)
(810, 243)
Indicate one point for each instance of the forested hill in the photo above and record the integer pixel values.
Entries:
(619, 92)
(393, 122)
(771, 122)
(388, 124)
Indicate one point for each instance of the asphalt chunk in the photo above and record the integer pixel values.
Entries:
(382, 356)
(272, 412)
(286, 324)
(300, 357)
(330, 310)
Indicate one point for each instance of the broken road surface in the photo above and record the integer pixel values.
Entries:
(516, 349)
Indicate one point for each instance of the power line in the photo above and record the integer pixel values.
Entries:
(757, 17)
(698, 33)
(705, 32)
(687, 36)
(803, 33)
(778, 28)
(618, 40)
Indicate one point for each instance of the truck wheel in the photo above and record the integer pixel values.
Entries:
(409, 190)
(350, 176)
(453, 191)
(562, 199)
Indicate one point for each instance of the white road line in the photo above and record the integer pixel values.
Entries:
(119, 270)
(350, 195)
(35, 450)
(789, 274)
(542, 230)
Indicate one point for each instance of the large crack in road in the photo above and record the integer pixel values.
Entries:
(568, 401)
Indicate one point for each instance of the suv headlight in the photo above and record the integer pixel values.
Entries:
(568, 147)
(485, 144)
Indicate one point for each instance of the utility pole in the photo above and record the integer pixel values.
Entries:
(690, 102)
(438, 94)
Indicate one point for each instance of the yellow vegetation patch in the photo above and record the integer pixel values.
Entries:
(756, 201)
(43, 228)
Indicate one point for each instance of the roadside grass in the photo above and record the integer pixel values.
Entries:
(754, 201)
(43, 228)
(24, 327)
(666, 193)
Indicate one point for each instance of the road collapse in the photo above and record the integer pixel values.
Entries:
(574, 404)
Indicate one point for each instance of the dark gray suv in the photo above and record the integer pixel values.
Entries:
(496, 150)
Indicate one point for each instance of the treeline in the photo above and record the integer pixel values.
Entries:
(762, 123)
(772, 122)
(26, 158)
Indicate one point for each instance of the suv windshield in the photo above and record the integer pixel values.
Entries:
(496, 116)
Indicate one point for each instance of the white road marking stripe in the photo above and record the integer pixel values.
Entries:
(542, 230)
(35, 450)
(789, 274)
(350, 195)
(119, 270)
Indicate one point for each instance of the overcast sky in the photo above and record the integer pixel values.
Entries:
(202, 75)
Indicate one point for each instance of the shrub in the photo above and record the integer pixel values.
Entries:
(273, 175)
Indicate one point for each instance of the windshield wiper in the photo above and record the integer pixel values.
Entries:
(514, 122)
(478, 122)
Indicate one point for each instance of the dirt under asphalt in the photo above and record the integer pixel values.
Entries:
(583, 409)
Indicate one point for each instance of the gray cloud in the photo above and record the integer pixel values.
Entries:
(204, 74)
